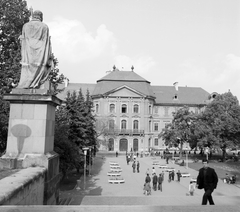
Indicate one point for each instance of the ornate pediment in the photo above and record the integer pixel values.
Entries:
(124, 116)
(136, 116)
(124, 91)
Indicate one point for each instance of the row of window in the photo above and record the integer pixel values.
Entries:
(135, 141)
(124, 124)
(124, 109)
(135, 125)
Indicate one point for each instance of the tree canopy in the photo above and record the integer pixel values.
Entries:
(74, 129)
(217, 126)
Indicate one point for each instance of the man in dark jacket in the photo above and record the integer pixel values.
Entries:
(155, 181)
(207, 179)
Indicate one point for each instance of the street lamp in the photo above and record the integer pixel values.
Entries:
(85, 149)
(90, 161)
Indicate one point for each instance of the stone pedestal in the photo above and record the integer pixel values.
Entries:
(31, 137)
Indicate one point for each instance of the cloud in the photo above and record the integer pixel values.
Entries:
(142, 64)
(72, 42)
(218, 76)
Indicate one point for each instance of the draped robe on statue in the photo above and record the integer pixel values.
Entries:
(36, 54)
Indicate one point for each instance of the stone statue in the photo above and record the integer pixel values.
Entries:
(36, 53)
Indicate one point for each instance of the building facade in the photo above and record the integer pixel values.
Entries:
(131, 113)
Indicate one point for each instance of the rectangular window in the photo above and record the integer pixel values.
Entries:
(166, 111)
(155, 126)
(156, 109)
(156, 141)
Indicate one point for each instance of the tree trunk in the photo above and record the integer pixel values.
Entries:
(223, 154)
(181, 147)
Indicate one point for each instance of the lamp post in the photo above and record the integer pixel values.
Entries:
(85, 149)
(90, 161)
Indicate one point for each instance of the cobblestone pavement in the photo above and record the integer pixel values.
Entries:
(99, 192)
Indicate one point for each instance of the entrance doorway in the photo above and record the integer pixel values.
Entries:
(123, 147)
(135, 144)
(110, 144)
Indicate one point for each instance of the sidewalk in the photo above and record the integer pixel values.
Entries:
(99, 192)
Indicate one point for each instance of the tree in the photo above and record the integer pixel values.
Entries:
(68, 152)
(180, 131)
(13, 15)
(91, 131)
(222, 122)
(56, 78)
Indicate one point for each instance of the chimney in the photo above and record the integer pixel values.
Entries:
(176, 85)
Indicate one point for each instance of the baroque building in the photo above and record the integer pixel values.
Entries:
(130, 112)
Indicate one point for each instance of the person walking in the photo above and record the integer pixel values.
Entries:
(138, 166)
(169, 176)
(155, 181)
(207, 179)
(147, 179)
(191, 188)
(173, 175)
(160, 180)
(134, 166)
(179, 175)
(162, 175)
(128, 159)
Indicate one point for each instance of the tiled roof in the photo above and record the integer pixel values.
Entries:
(123, 76)
(106, 86)
(185, 95)
(162, 94)
(76, 86)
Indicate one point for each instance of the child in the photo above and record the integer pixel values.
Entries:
(147, 188)
(191, 188)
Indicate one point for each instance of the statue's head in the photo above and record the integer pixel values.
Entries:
(37, 14)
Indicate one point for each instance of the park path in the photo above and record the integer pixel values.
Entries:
(99, 192)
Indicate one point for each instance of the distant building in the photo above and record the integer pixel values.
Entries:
(131, 113)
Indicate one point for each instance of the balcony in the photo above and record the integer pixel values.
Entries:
(124, 132)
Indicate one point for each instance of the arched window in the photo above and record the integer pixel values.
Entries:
(112, 108)
(124, 124)
(135, 108)
(97, 108)
(124, 108)
(135, 124)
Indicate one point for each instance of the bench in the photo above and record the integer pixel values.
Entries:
(116, 180)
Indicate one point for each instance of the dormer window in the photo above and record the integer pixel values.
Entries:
(175, 96)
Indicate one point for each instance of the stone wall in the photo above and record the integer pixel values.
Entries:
(25, 187)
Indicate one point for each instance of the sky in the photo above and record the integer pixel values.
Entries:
(193, 42)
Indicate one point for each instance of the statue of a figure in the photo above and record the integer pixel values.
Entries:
(36, 53)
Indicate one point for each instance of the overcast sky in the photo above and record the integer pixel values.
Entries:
(193, 42)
